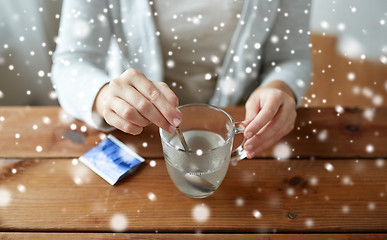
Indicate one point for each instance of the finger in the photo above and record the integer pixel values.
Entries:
(252, 109)
(122, 87)
(265, 115)
(168, 93)
(281, 125)
(262, 147)
(127, 112)
(145, 108)
(153, 95)
(114, 120)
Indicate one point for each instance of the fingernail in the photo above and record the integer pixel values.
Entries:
(249, 135)
(171, 128)
(248, 147)
(251, 154)
(176, 122)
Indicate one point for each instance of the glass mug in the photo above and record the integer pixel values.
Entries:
(209, 132)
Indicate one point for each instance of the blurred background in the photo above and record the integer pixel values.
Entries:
(348, 44)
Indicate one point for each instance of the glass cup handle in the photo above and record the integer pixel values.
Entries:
(239, 153)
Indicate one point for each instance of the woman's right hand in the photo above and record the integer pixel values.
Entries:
(131, 102)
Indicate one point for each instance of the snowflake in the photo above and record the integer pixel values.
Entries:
(5, 197)
(257, 214)
(341, 27)
(351, 76)
(39, 148)
(282, 151)
(369, 114)
(73, 126)
(228, 86)
(300, 83)
(118, 222)
(347, 181)
(329, 167)
(379, 162)
(345, 209)
(80, 174)
(352, 47)
(199, 152)
(46, 120)
(339, 109)
(78, 180)
(377, 100)
(102, 136)
(290, 192)
(313, 181)
(370, 148)
(151, 196)
(215, 59)
(323, 135)
(324, 24)
(309, 222)
(201, 213)
(170, 63)
(274, 39)
(152, 163)
(83, 128)
(239, 202)
(81, 29)
(371, 206)
(196, 20)
(21, 188)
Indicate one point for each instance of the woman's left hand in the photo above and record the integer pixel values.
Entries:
(270, 115)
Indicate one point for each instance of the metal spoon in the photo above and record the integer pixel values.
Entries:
(182, 139)
(199, 183)
(194, 180)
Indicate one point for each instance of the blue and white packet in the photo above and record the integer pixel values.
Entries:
(111, 159)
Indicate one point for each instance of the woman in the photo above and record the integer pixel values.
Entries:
(218, 52)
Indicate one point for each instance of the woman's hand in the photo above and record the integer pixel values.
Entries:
(131, 102)
(270, 115)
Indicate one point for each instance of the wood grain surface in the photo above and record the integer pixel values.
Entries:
(256, 196)
(332, 185)
(44, 132)
(187, 236)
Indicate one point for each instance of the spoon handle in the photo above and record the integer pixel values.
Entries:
(182, 139)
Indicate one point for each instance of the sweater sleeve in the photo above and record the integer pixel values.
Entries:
(286, 52)
(80, 59)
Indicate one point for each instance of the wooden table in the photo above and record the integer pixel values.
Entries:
(332, 186)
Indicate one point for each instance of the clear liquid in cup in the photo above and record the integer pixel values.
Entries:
(206, 163)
